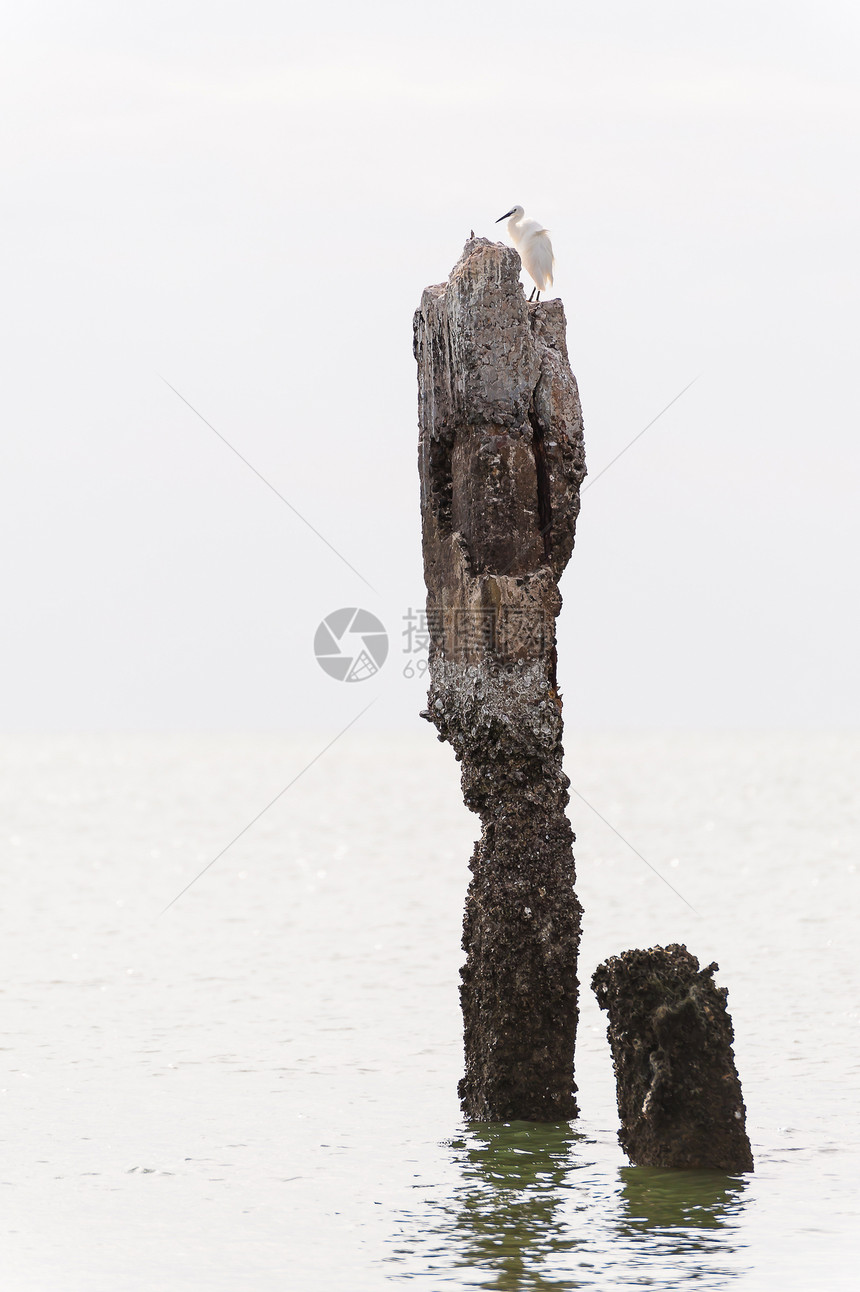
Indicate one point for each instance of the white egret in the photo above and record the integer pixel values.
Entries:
(532, 242)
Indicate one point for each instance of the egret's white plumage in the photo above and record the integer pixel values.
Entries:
(532, 242)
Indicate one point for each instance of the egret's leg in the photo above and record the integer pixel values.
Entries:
(531, 298)
(538, 298)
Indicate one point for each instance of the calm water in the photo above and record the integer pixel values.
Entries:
(257, 1090)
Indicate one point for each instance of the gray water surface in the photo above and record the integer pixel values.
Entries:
(257, 1090)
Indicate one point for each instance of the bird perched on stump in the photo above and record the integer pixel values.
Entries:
(532, 242)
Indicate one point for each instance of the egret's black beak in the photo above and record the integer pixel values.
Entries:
(505, 216)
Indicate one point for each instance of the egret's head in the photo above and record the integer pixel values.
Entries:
(515, 210)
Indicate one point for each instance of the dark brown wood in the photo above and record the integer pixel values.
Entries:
(502, 458)
(679, 1095)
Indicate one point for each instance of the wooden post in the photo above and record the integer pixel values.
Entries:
(502, 457)
(679, 1095)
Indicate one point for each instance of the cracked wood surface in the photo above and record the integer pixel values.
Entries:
(501, 460)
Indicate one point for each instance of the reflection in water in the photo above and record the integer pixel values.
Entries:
(533, 1211)
(683, 1218)
(504, 1219)
(509, 1210)
(663, 1198)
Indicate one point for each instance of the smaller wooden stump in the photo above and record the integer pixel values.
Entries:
(679, 1095)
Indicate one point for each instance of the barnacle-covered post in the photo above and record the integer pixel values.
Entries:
(679, 1095)
(501, 458)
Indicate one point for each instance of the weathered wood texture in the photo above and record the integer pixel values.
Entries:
(679, 1096)
(502, 457)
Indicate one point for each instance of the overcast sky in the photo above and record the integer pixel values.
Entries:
(247, 199)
